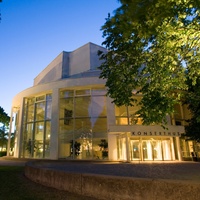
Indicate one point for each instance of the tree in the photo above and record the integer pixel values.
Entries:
(4, 118)
(151, 43)
(192, 99)
(3, 137)
(4, 122)
(0, 13)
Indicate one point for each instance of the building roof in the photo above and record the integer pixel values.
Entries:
(82, 62)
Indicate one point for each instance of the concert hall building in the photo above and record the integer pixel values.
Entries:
(67, 115)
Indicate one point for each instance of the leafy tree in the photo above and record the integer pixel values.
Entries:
(4, 118)
(0, 12)
(151, 43)
(3, 137)
(4, 122)
(192, 99)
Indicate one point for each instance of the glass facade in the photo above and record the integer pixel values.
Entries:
(126, 115)
(144, 148)
(83, 124)
(189, 149)
(82, 131)
(36, 126)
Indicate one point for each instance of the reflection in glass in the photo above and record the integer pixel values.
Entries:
(147, 150)
(36, 135)
(81, 106)
(166, 149)
(135, 149)
(83, 125)
(66, 104)
(48, 107)
(39, 138)
(157, 150)
(30, 112)
(47, 140)
(28, 145)
(40, 111)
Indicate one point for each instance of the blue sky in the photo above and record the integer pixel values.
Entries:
(34, 32)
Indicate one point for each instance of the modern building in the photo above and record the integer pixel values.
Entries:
(67, 115)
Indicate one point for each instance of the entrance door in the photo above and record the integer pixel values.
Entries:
(147, 150)
(135, 149)
(152, 149)
(157, 149)
(166, 146)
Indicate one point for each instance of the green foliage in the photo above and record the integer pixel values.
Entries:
(150, 45)
(3, 153)
(3, 138)
(103, 144)
(4, 118)
(4, 122)
(75, 147)
(192, 99)
(104, 148)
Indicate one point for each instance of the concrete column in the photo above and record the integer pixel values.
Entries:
(179, 149)
(110, 112)
(9, 134)
(19, 132)
(112, 141)
(127, 148)
(54, 125)
(172, 149)
(141, 150)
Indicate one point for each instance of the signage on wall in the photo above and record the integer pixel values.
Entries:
(155, 133)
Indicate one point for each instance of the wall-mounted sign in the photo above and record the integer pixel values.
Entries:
(155, 133)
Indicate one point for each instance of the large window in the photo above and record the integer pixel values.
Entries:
(83, 124)
(181, 114)
(36, 126)
(127, 115)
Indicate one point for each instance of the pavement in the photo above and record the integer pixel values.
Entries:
(6, 161)
(189, 170)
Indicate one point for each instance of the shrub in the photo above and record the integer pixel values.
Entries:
(3, 153)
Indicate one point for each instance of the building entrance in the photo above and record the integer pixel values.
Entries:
(149, 149)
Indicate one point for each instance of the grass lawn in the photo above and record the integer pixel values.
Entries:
(15, 186)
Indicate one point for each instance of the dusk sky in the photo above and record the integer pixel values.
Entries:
(34, 32)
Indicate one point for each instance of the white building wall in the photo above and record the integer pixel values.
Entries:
(52, 72)
(112, 138)
(18, 136)
(79, 60)
(53, 88)
(54, 125)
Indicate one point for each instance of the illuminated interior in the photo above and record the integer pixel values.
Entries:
(149, 149)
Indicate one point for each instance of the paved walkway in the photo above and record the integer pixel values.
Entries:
(12, 162)
(154, 170)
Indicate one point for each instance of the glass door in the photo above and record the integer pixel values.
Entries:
(122, 149)
(147, 150)
(157, 150)
(135, 149)
(166, 146)
(152, 149)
